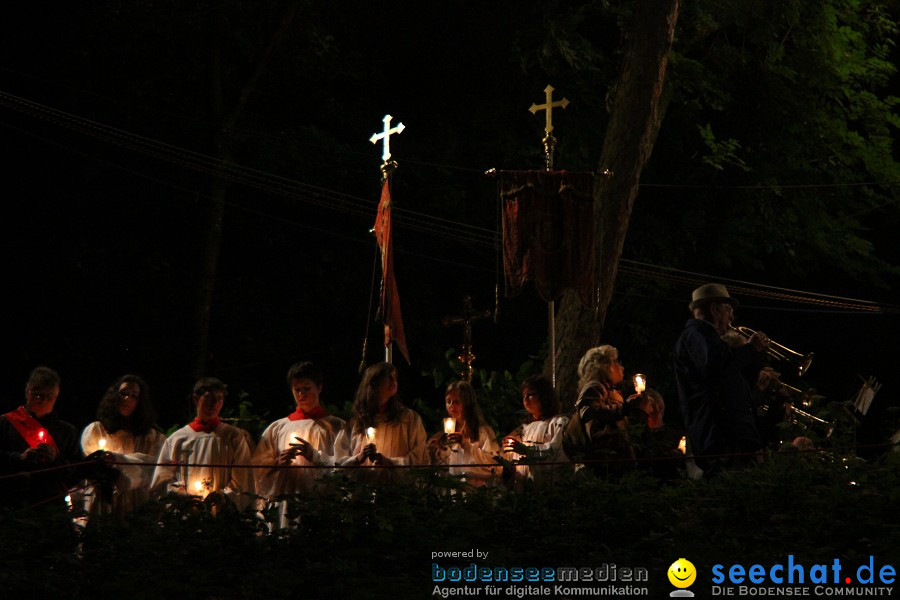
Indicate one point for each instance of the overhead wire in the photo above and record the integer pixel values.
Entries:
(464, 233)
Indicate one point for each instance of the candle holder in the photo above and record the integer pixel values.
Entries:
(450, 427)
(640, 383)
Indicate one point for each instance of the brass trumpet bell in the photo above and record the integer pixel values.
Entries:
(780, 352)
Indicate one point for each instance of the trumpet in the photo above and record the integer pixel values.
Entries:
(800, 416)
(780, 352)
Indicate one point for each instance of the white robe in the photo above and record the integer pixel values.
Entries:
(207, 458)
(545, 438)
(136, 456)
(482, 451)
(274, 482)
(403, 441)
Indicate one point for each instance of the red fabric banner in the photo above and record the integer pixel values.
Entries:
(548, 234)
(390, 296)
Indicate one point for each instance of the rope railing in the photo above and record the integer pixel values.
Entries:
(515, 464)
(508, 463)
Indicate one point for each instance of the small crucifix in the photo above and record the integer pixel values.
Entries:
(469, 314)
(549, 141)
(386, 136)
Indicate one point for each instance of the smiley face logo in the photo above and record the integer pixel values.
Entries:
(682, 573)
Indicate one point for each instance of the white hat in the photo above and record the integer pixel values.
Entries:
(711, 292)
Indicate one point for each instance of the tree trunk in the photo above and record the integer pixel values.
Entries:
(633, 125)
(223, 151)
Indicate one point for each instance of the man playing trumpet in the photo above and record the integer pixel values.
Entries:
(715, 396)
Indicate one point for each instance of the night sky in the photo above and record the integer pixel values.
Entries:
(107, 129)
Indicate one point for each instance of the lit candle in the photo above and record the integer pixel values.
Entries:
(640, 383)
(41, 435)
(682, 445)
(198, 486)
(68, 500)
(102, 443)
(370, 435)
(449, 425)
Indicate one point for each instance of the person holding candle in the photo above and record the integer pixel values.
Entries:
(466, 438)
(540, 437)
(597, 433)
(381, 432)
(126, 432)
(303, 438)
(34, 440)
(206, 456)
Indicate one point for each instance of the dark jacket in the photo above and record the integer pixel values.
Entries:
(714, 395)
(48, 483)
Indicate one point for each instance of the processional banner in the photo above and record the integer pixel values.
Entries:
(548, 232)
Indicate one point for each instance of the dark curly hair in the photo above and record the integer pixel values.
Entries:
(140, 422)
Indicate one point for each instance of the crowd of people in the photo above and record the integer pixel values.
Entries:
(122, 459)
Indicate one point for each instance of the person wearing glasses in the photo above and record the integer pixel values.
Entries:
(36, 442)
(126, 434)
(304, 438)
(714, 393)
(206, 457)
(598, 430)
(540, 437)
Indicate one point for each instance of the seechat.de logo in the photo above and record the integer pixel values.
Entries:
(682, 574)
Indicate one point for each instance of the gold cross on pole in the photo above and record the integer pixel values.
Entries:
(549, 106)
(386, 136)
(469, 314)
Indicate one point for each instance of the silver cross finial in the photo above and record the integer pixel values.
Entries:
(386, 136)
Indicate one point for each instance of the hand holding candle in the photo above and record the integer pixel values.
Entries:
(369, 452)
(300, 446)
(510, 444)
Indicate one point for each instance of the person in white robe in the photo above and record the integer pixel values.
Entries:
(304, 438)
(540, 438)
(206, 456)
(466, 440)
(126, 432)
(382, 432)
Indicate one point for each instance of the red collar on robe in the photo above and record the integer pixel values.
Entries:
(29, 428)
(316, 413)
(205, 427)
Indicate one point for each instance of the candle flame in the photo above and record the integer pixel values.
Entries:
(682, 445)
(449, 425)
(370, 434)
(102, 443)
(41, 435)
(198, 485)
